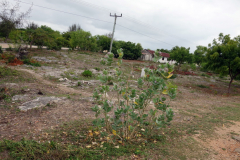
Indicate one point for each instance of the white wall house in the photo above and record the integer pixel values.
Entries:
(148, 55)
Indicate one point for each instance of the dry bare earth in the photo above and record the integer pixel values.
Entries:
(207, 115)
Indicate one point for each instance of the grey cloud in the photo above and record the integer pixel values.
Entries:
(184, 23)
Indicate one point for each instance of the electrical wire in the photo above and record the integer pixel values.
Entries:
(65, 12)
(93, 19)
(131, 19)
(145, 35)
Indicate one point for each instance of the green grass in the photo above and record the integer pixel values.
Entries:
(202, 86)
(8, 75)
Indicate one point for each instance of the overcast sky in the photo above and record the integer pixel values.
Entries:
(152, 23)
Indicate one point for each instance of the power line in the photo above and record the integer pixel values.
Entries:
(145, 35)
(65, 12)
(93, 19)
(131, 19)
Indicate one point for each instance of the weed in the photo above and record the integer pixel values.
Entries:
(79, 84)
(87, 73)
(97, 68)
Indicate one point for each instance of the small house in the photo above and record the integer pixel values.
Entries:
(164, 58)
(147, 55)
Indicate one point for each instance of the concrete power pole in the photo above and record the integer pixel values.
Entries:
(113, 29)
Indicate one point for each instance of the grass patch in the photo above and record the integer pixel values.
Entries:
(205, 75)
(201, 86)
(69, 141)
(86, 53)
(8, 75)
(5, 72)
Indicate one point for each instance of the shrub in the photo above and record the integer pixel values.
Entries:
(193, 66)
(87, 73)
(185, 67)
(131, 120)
(79, 84)
(8, 57)
(9, 48)
(31, 62)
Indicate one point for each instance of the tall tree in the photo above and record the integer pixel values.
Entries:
(164, 50)
(11, 18)
(180, 54)
(223, 56)
(31, 33)
(82, 40)
(200, 55)
(74, 27)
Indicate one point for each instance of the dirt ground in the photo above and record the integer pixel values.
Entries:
(193, 103)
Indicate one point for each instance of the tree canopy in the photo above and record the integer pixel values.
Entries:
(223, 56)
(11, 18)
(74, 27)
(200, 55)
(180, 54)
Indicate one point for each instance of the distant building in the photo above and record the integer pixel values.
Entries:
(148, 55)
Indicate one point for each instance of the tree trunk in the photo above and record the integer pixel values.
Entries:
(230, 85)
(31, 45)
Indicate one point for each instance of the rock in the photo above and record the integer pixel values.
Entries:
(20, 97)
(143, 72)
(237, 150)
(94, 71)
(63, 79)
(49, 59)
(212, 80)
(11, 85)
(236, 138)
(38, 102)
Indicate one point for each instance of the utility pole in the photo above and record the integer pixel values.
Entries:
(113, 29)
